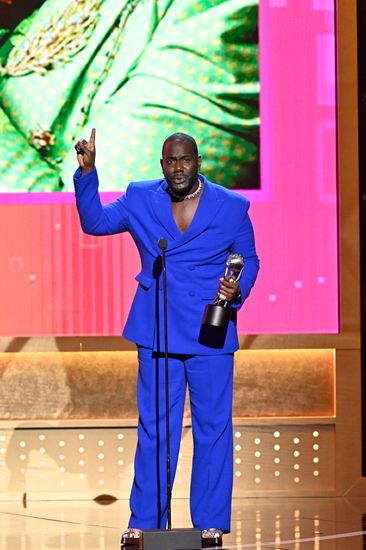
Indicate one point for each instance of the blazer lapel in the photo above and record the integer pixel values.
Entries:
(162, 208)
(205, 213)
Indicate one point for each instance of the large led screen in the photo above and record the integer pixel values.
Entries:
(138, 71)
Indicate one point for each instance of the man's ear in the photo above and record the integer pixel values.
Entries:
(199, 161)
(161, 164)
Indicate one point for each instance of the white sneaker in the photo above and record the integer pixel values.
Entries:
(211, 537)
(131, 537)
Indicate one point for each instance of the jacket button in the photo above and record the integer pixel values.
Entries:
(192, 267)
(191, 293)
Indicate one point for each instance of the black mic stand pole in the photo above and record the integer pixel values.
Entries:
(163, 243)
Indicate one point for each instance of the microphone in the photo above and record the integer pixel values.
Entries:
(162, 243)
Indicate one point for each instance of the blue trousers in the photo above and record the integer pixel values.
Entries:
(210, 383)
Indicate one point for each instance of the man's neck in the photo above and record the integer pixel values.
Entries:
(193, 193)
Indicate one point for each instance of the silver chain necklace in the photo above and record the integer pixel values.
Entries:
(189, 196)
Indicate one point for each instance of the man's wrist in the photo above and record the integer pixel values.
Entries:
(85, 170)
(237, 297)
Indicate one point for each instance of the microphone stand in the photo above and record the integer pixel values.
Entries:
(168, 539)
(163, 243)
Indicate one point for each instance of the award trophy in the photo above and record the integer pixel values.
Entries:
(218, 314)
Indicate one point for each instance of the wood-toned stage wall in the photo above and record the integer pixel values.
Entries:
(81, 406)
(68, 417)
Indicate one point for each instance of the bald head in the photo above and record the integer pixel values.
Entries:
(180, 136)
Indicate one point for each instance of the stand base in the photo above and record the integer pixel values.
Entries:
(173, 539)
(164, 539)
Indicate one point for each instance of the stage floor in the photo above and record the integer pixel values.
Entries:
(281, 524)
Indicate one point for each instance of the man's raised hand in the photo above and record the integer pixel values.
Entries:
(85, 153)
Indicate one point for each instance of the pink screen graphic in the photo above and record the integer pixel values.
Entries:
(57, 281)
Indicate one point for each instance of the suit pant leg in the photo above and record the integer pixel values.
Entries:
(210, 381)
(148, 500)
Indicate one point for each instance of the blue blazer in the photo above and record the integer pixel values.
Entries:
(195, 259)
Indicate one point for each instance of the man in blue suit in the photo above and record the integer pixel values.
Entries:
(203, 223)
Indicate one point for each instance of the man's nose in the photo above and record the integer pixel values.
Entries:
(179, 166)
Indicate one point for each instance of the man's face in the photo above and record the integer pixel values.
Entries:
(180, 166)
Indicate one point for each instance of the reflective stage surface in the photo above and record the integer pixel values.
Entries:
(280, 524)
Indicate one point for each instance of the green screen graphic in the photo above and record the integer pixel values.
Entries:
(137, 71)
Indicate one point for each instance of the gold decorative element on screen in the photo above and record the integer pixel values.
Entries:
(55, 43)
(41, 139)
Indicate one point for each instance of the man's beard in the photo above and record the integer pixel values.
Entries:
(181, 190)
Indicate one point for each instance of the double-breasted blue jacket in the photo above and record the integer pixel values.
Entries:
(195, 259)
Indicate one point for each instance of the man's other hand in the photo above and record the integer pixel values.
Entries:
(85, 153)
(227, 290)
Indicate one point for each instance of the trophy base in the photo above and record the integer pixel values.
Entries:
(214, 326)
(216, 315)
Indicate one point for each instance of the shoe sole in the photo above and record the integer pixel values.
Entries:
(130, 543)
(212, 542)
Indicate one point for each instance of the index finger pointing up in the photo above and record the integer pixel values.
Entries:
(92, 138)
